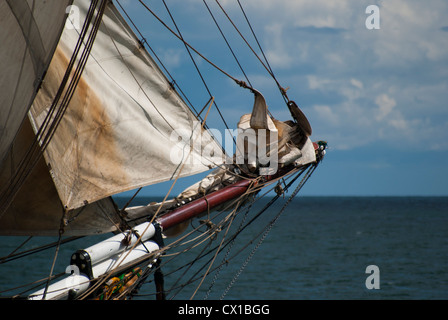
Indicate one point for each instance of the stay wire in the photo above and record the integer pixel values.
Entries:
(196, 66)
(209, 235)
(268, 69)
(35, 151)
(61, 111)
(197, 276)
(242, 37)
(227, 42)
(269, 227)
(144, 42)
(224, 259)
(282, 90)
(19, 255)
(239, 82)
(189, 266)
(230, 241)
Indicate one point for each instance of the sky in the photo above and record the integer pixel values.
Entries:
(375, 90)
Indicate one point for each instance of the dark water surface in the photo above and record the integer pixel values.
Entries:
(318, 249)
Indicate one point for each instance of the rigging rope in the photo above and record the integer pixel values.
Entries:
(267, 67)
(267, 230)
(219, 247)
(229, 241)
(55, 113)
(239, 82)
(196, 66)
(227, 42)
(144, 42)
(66, 100)
(271, 72)
(224, 259)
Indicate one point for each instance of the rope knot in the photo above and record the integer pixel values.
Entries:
(211, 226)
(242, 83)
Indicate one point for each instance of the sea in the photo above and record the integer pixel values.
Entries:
(318, 248)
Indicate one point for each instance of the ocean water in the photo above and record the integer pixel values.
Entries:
(319, 248)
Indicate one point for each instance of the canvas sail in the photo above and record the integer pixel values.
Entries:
(36, 209)
(117, 132)
(29, 33)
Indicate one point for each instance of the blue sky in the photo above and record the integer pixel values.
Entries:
(379, 97)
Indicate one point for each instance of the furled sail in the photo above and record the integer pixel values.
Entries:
(122, 128)
(29, 33)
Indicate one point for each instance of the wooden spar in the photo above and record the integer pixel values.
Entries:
(212, 200)
(203, 204)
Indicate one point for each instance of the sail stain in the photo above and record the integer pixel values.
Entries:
(84, 154)
(115, 135)
(36, 208)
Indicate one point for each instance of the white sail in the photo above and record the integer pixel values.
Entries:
(29, 33)
(116, 134)
(36, 208)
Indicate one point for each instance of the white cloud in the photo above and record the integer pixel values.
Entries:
(327, 113)
(171, 57)
(277, 57)
(358, 84)
(385, 105)
(315, 82)
(399, 123)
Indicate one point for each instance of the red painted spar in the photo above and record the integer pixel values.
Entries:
(201, 205)
(213, 199)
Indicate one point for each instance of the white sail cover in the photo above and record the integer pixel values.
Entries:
(117, 132)
(29, 33)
